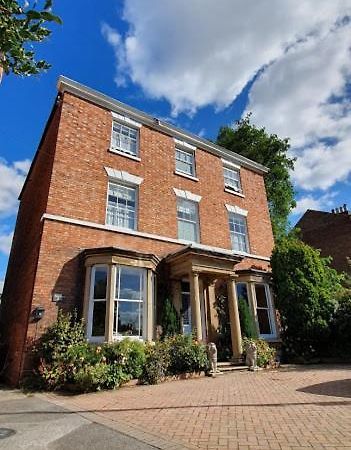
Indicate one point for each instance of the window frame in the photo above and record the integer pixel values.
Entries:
(197, 222)
(120, 150)
(92, 301)
(128, 186)
(269, 310)
(228, 186)
(232, 233)
(143, 301)
(193, 166)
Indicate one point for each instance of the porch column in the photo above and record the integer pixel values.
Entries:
(212, 313)
(86, 295)
(195, 304)
(110, 303)
(150, 310)
(234, 318)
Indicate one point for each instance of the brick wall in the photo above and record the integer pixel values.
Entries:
(68, 179)
(331, 233)
(16, 300)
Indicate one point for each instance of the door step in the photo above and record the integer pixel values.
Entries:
(231, 367)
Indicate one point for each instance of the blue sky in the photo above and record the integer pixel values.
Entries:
(199, 64)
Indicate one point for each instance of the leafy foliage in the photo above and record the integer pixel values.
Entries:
(19, 27)
(341, 325)
(169, 320)
(65, 360)
(266, 354)
(271, 151)
(247, 324)
(306, 290)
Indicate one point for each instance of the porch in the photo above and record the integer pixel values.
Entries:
(193, 276)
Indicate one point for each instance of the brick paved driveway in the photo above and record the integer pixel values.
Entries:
(285, 409)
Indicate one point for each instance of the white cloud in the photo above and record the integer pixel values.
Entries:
(12, 177)
(200, 52)
(317, 203)
(1, 286)
(5, 242)
(303, 95)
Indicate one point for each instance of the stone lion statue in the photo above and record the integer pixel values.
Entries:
(212, 352)
(251, 356)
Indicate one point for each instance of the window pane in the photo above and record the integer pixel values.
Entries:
(185, 162)
(241, 290)
(99, 314)
(124, 138)
(238, 231)
(131, 281)
(187, 214)
(263, 321)
(121, 206)
(187, 231)
(261, 298)
(100, 283)
(232, 178)
(130, 318)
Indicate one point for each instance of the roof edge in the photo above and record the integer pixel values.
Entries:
(65, 84)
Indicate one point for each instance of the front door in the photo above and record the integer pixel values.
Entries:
(186, 307)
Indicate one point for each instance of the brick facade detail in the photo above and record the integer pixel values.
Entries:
(68, 179)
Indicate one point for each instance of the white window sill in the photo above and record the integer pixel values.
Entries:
(116, 337)
(117, 228)
(127, 155)
(185, 175)
(231, 191)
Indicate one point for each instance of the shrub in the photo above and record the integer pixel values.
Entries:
(66, 332)
(186, 355)
(170, 320)
(266, 355)
(248, 327)
(128, 353)
(306, 289)
(341, 327)
(157, 362)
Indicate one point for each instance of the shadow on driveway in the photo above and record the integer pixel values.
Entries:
(337, 388)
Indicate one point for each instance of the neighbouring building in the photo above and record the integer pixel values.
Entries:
(330, 232)
(121, 210)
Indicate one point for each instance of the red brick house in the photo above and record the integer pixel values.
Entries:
(330, 232)
(119, 208)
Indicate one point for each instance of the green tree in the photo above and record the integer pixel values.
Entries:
(307, 289)
(247, 324)
(271, 151)
(21, 25)
(170, 320)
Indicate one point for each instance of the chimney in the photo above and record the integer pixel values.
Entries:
(345, 208)
(333, 211)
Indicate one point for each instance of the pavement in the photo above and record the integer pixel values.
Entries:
(293, 408)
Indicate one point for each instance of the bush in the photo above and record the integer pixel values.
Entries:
(157, 362)
(248, 327)
(266, 355)
(341, 327)
(128, 353)
(306, 290)
(186, 355)
(170, 320)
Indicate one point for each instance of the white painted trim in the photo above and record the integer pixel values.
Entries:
(236, 210)
(230, 164)
(121, 175)
(185, 175)
(183, 144)
(104, 227)
(126, 120)
(187, 195)
(231, 191)
(127, 155)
